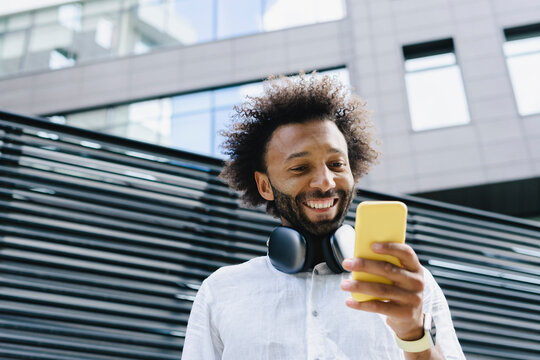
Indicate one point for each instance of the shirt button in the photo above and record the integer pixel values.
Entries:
(314, 313)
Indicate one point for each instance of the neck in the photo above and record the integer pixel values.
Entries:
(315, 241)
(318, 252)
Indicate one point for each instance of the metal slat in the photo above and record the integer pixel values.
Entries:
(117, 200)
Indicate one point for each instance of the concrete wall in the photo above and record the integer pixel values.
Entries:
(498, 144)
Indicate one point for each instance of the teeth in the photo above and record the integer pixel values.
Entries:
(320, 204)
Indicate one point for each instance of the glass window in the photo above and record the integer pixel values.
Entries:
(153, 16)
(228, 97)
(190, 103)
(93, 119)
(189, 122)
(192, 123)
(46, 16)
(145, 121)
(11, 51)
(60, 58)
(3, 24)
(225, 100)
(522, 50)
(434, 86)
(97, 7)
(238, 17)
(280, 14)
(328, 10)
(49, 37)
(192, 132)
(88, 30)
(135, 131)
(98, 36)
(144, 28)
(222, 120)
(48, 44)
(191, 21)
(70, 16)
(19, 21)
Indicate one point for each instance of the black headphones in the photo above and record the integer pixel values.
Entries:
(290, 253)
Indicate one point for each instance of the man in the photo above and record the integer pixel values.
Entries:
(300, 148)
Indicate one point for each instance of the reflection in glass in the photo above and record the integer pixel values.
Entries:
(69, 16)
(88, 30)
(11, 51)
(191, 21)
(98, 7)
(189, 103)
(97, 38)
(281, 14)
(59, 59)
(523, 61)
(19, 21)
(92, 120)
(238, 17)
(104, 33)
(222, 120)
(192, 132)
(135, 131)
(190, 122)
(50, 45)
(435, 92)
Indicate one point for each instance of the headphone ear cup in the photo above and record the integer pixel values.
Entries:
(288, 250)
(341, 244)
(329, 256)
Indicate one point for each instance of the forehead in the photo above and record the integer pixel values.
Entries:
(309, 139)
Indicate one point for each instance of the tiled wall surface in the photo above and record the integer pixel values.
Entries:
(498, 144)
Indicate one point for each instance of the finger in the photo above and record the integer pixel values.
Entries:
(400, 277)
(388, 308)
(383, 291)
(405, 254)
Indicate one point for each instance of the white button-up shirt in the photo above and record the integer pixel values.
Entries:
(253, 311)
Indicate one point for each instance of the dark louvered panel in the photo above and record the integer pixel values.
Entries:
(105, 241)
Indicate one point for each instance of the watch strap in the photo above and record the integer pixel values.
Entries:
(422, 344)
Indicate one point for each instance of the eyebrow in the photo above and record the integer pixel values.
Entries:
(306, 153)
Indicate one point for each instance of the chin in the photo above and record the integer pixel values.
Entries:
(325, 227)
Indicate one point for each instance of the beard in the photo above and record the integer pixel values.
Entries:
(290, 208)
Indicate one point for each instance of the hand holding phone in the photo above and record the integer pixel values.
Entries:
(377, 221)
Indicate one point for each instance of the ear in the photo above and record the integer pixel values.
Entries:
(263, 185)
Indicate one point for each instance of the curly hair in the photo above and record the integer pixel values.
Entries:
(293, 100)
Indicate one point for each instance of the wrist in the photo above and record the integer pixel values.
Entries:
(409, 330)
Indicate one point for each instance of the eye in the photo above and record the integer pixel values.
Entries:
(299, 168)
(337, 164)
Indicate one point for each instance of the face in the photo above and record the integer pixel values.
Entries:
(308, 176)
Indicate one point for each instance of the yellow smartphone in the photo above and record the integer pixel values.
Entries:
(377, 221)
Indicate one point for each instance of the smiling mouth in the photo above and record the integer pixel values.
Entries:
(321, 204)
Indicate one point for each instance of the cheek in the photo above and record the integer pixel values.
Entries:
(346, 181)
(290, 186)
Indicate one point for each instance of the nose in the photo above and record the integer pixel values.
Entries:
(323, 179)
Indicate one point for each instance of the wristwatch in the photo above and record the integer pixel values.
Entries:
(425, 342)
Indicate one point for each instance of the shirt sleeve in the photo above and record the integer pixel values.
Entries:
(202, 338)
(436, 304)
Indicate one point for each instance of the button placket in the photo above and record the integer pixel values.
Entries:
(317, 336)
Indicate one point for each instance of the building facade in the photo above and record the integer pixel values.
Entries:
(453, 84)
